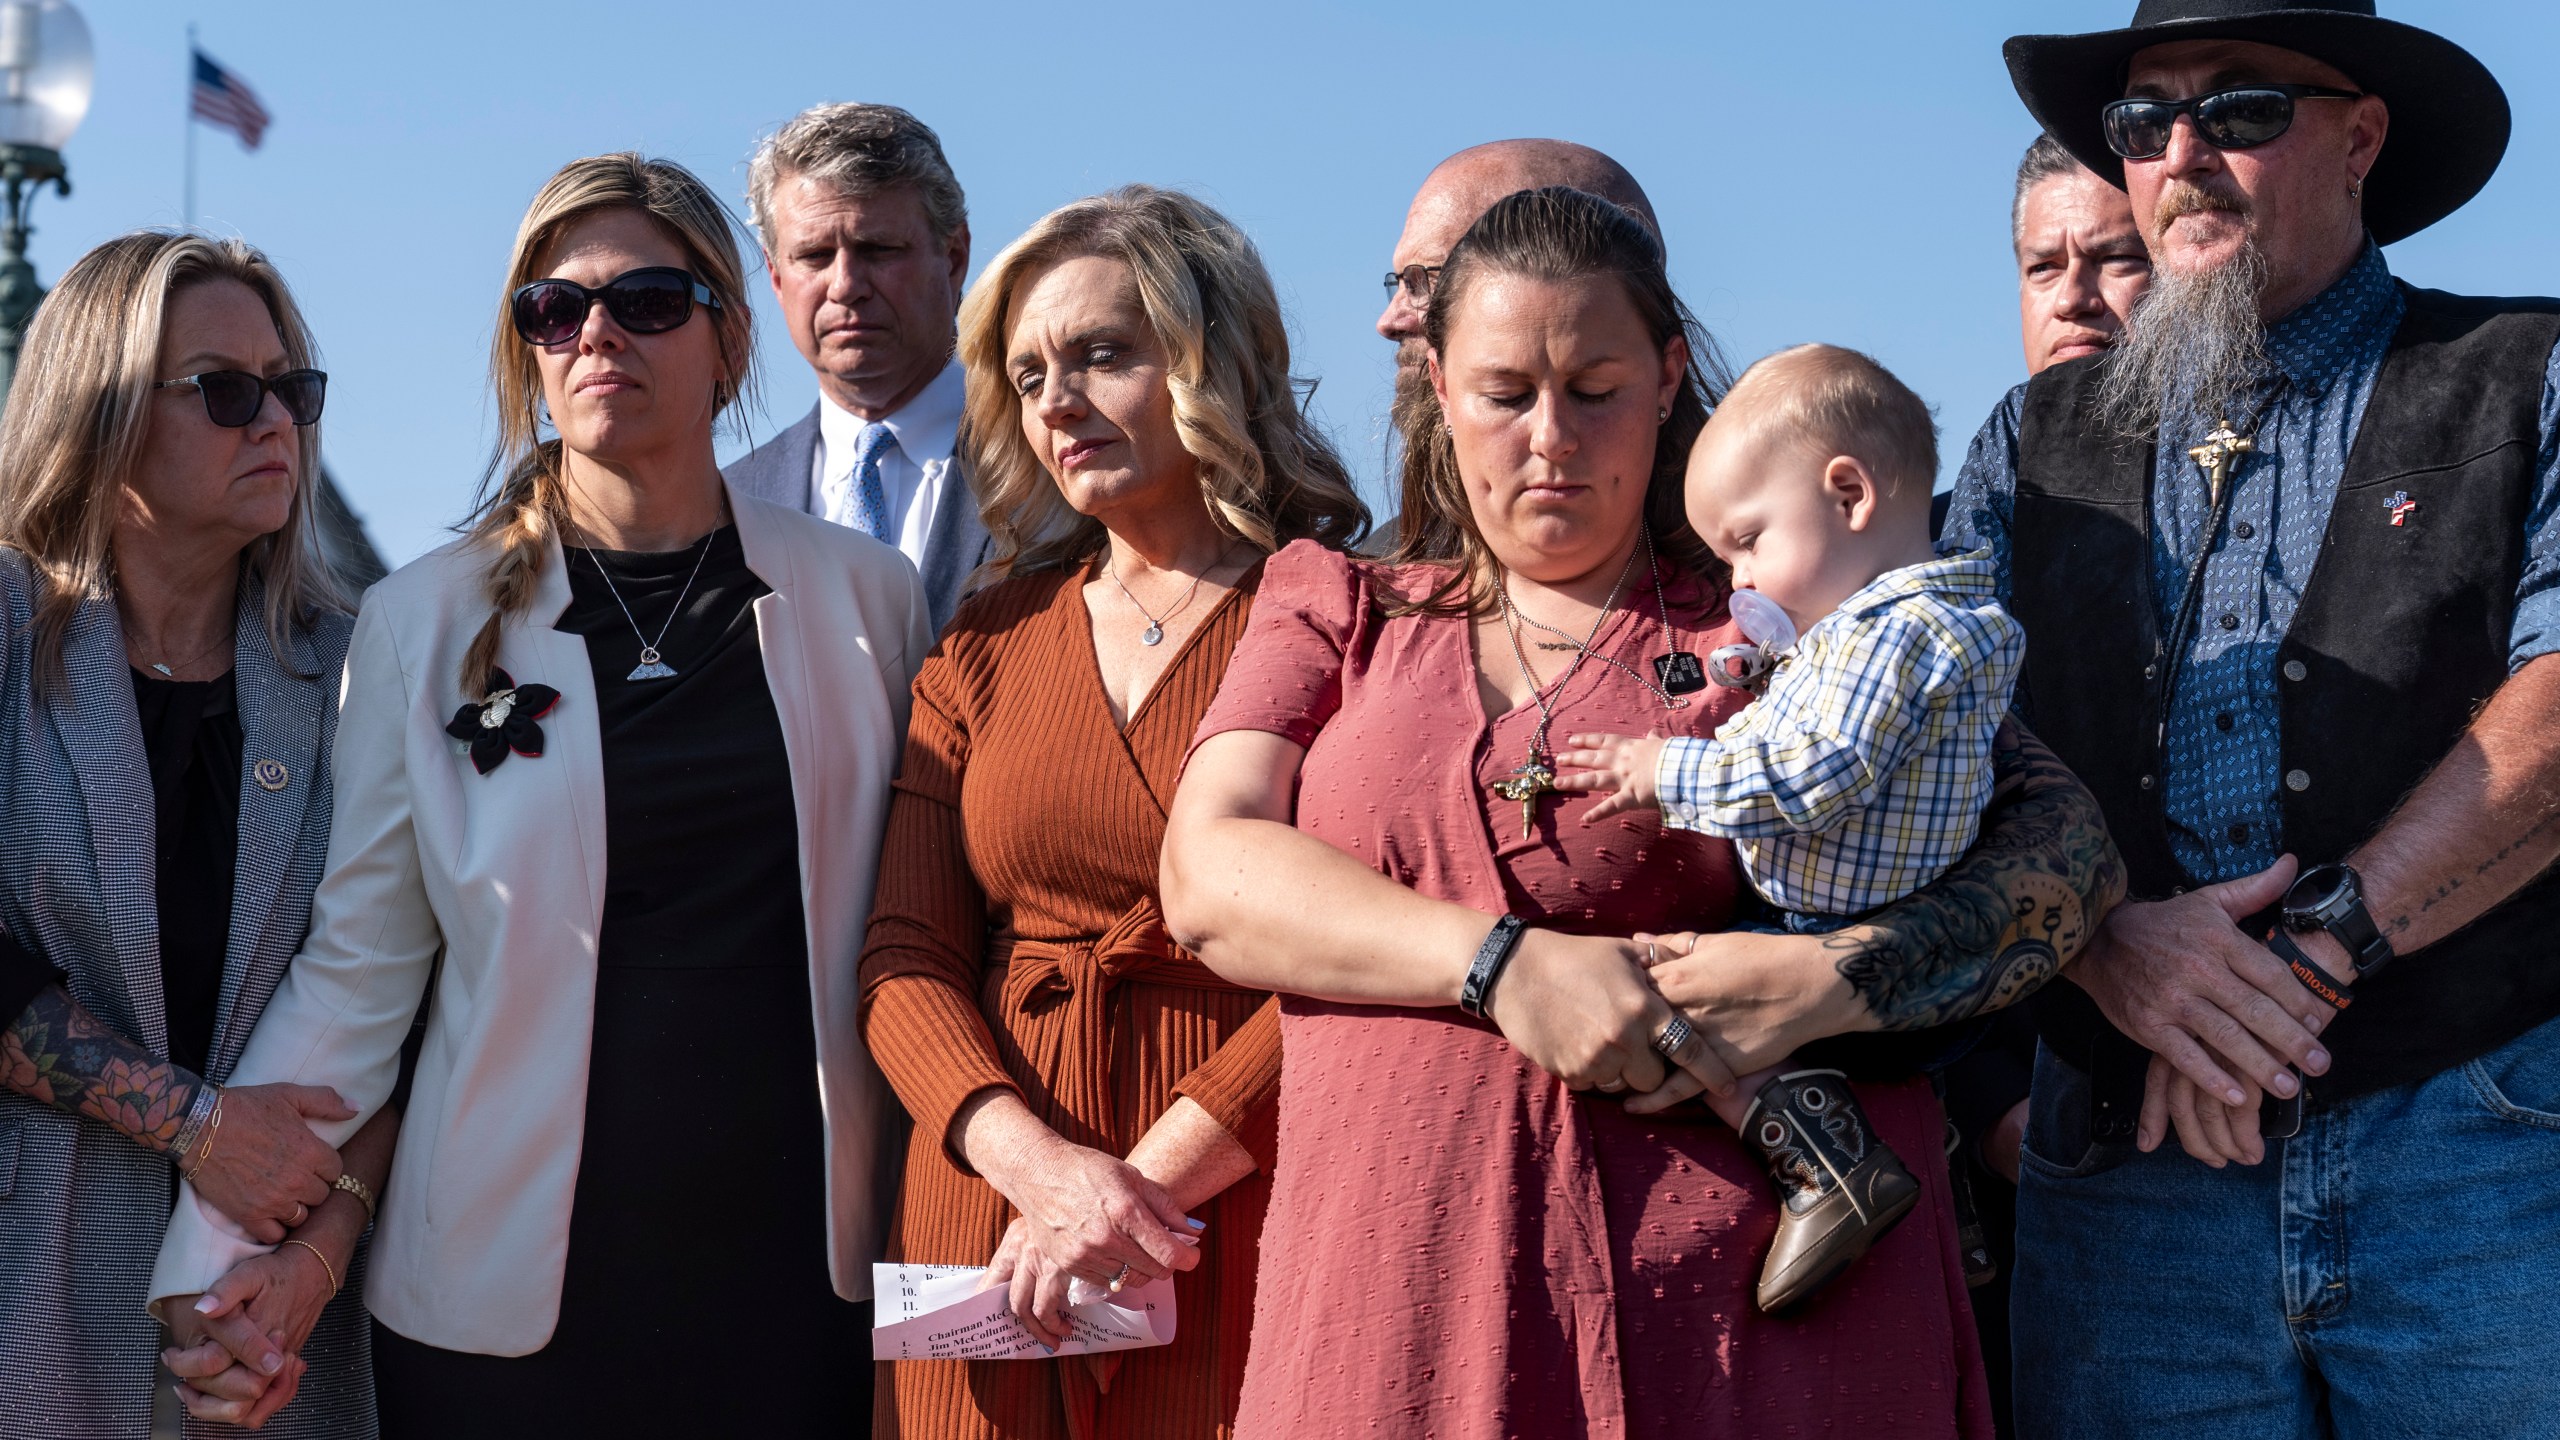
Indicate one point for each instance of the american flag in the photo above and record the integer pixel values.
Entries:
(225, 101)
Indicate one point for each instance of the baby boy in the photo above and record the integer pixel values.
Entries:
(1860, 774)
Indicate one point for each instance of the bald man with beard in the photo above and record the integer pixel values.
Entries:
(1456, 192)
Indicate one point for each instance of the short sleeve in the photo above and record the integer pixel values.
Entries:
(1286, 675)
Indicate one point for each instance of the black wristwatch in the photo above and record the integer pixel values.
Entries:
(2331, 898)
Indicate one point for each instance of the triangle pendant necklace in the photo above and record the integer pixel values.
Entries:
(651, 666)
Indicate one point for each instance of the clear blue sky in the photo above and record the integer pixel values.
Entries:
(1825, 169)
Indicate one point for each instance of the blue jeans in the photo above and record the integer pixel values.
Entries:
(2392, 1270)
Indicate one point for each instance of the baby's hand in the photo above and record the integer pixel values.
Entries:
(1618, 764)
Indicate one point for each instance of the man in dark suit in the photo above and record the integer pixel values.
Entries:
(866, 240)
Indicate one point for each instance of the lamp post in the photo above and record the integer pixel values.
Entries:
(46, 74)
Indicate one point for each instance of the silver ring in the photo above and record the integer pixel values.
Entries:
(1612, 1086)
(1123, 1275)
(1673, 1036)
(1652, 955)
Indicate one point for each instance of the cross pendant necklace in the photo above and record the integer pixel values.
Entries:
(1536, 776)
(2221, 448)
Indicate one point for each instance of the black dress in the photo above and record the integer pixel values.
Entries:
(697, 1299)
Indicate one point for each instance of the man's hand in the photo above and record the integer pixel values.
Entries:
(2180, 978)
(1619, 764)
(2211, 1131)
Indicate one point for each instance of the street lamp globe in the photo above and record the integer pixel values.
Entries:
(46, 72)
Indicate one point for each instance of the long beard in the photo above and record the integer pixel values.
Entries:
(2191, 350)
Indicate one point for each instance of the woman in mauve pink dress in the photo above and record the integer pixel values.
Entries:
(1511, 1225)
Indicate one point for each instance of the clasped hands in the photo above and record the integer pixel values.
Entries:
(1084, 1215)
(238, 1352)
(2224, 1020)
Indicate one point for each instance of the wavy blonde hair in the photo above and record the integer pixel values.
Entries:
(79, 412)
(520, 500)
(1268, 475)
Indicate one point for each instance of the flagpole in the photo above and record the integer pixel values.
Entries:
(190, 219)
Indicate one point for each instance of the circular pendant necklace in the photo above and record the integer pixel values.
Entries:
(1154, 633)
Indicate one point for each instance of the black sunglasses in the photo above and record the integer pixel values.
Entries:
(2232, 119)
(233, 398)
(649, 301)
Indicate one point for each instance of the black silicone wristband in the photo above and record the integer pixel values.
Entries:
(1491, 957)
(2307, 970)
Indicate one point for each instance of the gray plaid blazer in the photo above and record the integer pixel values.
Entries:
(82, 1209)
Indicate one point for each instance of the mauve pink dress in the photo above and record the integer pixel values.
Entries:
(1458, 1246)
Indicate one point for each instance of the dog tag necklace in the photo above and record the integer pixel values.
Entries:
(651, 667)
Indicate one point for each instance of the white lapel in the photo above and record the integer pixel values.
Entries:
(786, 663)
(535, 652)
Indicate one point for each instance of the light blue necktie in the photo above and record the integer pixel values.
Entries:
(870, 495)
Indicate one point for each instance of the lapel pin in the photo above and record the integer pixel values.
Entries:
(2401, 507)
(271, 775)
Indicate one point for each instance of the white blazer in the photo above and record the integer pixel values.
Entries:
(504, 873)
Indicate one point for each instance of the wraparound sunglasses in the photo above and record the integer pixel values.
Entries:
(2233, 119)
(648, 301)
(232, 398)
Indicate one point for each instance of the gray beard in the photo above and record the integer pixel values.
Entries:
(2192, 349)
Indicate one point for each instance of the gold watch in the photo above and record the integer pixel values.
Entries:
(358, 1189)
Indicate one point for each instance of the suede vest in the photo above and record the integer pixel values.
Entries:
(2401, 635)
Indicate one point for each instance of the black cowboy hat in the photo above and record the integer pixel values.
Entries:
(2449, 118)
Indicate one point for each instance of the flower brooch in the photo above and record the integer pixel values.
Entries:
(503, 722)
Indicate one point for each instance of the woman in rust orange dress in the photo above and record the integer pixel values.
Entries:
(1089, 1100)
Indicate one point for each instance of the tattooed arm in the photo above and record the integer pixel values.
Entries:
(2007, 917)
(261, 1166)
(57, 1054)
(2016, 909)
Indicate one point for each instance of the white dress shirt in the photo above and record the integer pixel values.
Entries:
(926, 429)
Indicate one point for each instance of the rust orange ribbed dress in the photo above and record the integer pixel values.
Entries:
(1015, 942)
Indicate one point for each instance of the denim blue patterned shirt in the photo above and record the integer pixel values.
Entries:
(2221, 774)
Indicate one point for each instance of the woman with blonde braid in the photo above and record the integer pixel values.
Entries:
(621, 755)
(1089, 1101)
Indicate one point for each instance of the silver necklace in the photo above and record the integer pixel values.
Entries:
(1536, 775)
(650, 666)
(1569, 642)
(1154, 633)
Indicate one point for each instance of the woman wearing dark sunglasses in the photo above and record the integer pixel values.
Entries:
(613, 769)
(174, 643)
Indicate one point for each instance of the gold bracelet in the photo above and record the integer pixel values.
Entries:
(211, 1128)
(358, 1189)
(324, 1263)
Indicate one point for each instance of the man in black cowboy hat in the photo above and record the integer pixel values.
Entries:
(2290, 570)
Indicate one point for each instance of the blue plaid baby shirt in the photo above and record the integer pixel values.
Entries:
(1861, 774)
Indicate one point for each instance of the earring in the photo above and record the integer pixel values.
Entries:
(1662, 416)
(2355, 189)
